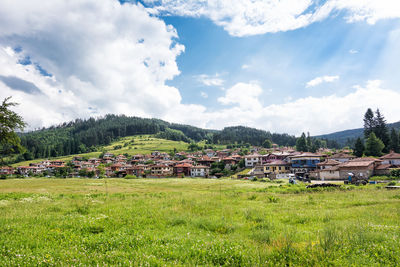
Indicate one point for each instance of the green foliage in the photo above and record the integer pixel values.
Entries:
(373, 146)
(267, 143)
(395, 173)
(369, 123)
(301, 143)
(359, 148)
(171, 134)
(10, 121)
(394, 141)
(241, 134)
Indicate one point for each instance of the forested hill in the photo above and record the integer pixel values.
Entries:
(348, 137)
(82, 136)
(241, 134)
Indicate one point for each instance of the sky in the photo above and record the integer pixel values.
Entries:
(286, 66)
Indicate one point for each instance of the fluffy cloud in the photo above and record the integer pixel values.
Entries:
(210, 80)
(318, 80)
(245, 17)
(104, 57)
(317, 115)
(245, 95)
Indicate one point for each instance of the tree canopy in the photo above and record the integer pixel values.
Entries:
(9, 123)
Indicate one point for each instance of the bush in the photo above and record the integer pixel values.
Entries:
(392, 183)
(3, 176)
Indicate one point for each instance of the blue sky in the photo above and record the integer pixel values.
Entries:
(283, 66)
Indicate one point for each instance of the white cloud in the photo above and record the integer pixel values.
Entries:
(245, 17)
(245, 66)
(353, 51)
(244, 94)
(322, 79)
(318, 115)
(210, 80)
(105, 58)
(204, 94)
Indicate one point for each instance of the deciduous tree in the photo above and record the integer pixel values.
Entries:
(9, 122)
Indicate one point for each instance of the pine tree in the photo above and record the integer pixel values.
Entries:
(359, 148)
(381, 130)
(309, 142)
(374, 146)
(301, 143)
(394, 141)
(369, 123)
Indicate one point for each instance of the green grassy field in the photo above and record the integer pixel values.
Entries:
(173, 222)
(132, 145)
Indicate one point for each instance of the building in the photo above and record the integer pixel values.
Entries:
(183, 169)
(304, 163)
(328, 170)
(5, 170)
(360, 167)
(391, 158)
(251, 160)
(199, 171)
(276, 169)
(161, 170)
(342, 157)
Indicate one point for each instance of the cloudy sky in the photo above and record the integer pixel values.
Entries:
(279, 65)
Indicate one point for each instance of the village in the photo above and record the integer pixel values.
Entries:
(277, 163)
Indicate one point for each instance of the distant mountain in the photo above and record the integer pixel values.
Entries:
(347, 137)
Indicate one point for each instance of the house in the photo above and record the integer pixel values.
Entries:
(5, 170)
(205, 161)
(251, 160)
(328, 170)
(277, 169)
(304, 163)
(258, 171)
(327, 164)
(199, 171)
(342, 157)
(274, 157)
(360, 167)
(161, 170)
(183, 169)
(391, 158)
(229, 162)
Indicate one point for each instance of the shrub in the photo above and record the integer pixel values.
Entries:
(3, 176)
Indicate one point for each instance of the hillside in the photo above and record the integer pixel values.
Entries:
(131, 145)
(343, 137)
(86, 136)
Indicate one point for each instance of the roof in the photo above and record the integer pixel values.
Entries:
(277, 162)
(391, 155)
(184, 165)
(328, 162)
(342, 155)
(362, 163)
(383, 167)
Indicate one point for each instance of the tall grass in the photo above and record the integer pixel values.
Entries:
(177, 222)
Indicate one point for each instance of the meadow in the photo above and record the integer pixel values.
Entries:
(181, 222)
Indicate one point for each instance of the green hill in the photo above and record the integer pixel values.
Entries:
(131, 145)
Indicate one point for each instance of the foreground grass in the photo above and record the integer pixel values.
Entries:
(195, 222)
